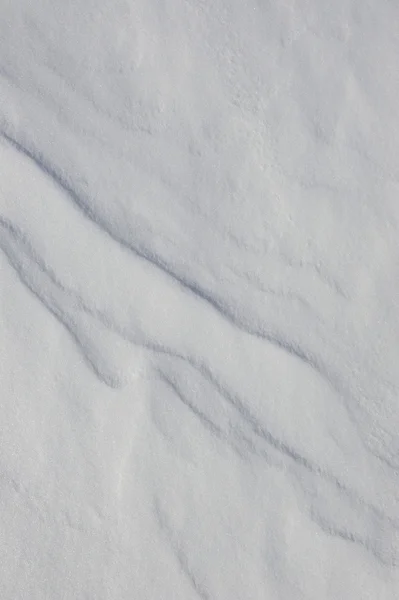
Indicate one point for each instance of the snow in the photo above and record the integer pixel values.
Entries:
(199, 300)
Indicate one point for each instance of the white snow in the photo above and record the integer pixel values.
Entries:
(199, 300)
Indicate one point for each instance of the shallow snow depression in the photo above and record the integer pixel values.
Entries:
(199, 318)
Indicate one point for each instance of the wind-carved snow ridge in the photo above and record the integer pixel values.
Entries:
(335, 507)
(225, 311)
(240, 423)
(67, 308)
(199, 317)
(84, 205)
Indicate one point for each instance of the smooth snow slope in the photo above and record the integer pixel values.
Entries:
(199, 321)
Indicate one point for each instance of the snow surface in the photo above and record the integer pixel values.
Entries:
(199, 320)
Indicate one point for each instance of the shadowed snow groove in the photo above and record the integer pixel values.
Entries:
(179, 554)
(53, 295)
(203, 195)
(386, 552)
(66, 306)
(84, 205)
